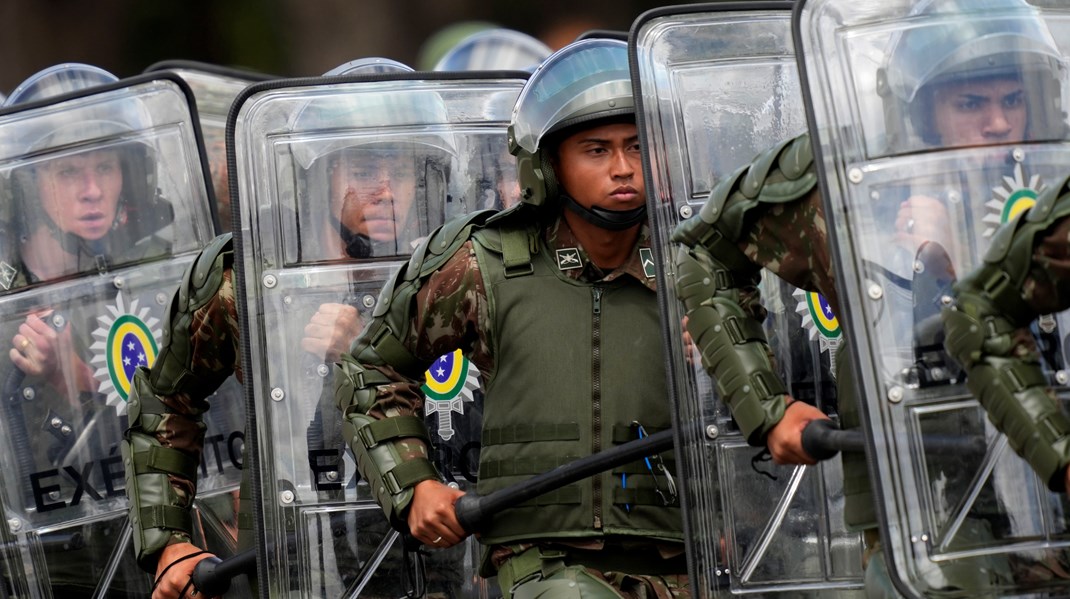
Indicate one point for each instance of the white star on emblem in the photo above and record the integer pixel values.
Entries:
(126, 361)
(442, 359)
(141, 358)
(440, 372)
(828, 311)
(130, 346)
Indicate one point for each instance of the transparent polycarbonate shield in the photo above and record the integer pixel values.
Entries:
(348, 175)
(936, 122)
(103, 202)
(214, 89)
(717, 84)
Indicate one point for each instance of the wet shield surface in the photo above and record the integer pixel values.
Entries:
(104, 202)
(717, 84)
(214, 89)
(937, 121)
(345, 177)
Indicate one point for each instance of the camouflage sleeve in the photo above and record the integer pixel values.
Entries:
(163, 443)
(1025, 273)
(434, 306)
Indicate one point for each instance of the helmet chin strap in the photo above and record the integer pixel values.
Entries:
(611, 220)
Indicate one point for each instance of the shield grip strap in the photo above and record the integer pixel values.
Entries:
(733, 346)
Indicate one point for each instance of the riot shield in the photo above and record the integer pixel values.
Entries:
(104, 203)
(935, 121)
(347, 175)
(214, 88)
(717, 84)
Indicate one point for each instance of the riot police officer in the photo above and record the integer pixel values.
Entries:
(559, 383)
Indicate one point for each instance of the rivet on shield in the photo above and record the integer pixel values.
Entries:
(875, 291)
(712, 432)
(28, 393)
(55, 422)
(919, 266)
(322, 370)
(368, 300)
(14, 524)
(1062, 377)
(288, 300)
(277, 394)
(118, 282)
(66, 430)
(58, 321)
(287, 497)
(270, 281)
(161, 298)
(54, 495)
(855, 175)
(1018, 154)
(945, 300)
(924, 538)
(895, 394)
(686, 211)
(332, 475)
(453, 485)
(954, 197)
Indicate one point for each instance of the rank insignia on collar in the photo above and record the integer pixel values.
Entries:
(569, 259)
(647, 258)
(7, 275)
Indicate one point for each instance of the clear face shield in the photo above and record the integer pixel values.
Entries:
(379, 197)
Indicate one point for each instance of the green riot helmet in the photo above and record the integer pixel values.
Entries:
(382, 164)
(960, 42)
(493, 50)
(584, 83)
(85, 137)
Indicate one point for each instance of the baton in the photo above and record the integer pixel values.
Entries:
(212, 575)
(474, 511)
(822, 439)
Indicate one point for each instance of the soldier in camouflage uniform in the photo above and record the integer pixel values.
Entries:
(554, 302)
(770, 214)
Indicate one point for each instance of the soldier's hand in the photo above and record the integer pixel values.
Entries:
(173, 575)
(36, 346)
(920, 219)
(432, 518)
(331, 331)
(785, 440)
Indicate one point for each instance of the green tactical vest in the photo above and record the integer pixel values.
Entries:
(583, 362)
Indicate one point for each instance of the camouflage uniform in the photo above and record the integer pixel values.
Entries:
(450, 311)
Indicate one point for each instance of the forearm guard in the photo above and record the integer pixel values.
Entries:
(1007, 379)
(161, 481)
(391, 453)
(158, 510)
(711, 272)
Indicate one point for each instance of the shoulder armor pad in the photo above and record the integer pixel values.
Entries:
(778, 175)
(195, 291)
(1048, 199)
(443, 242)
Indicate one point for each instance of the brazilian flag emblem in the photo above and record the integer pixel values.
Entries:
(125, 339)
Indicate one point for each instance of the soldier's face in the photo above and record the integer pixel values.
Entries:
(601, 166)
(980, 112)
(80, 193)
(372, 191)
